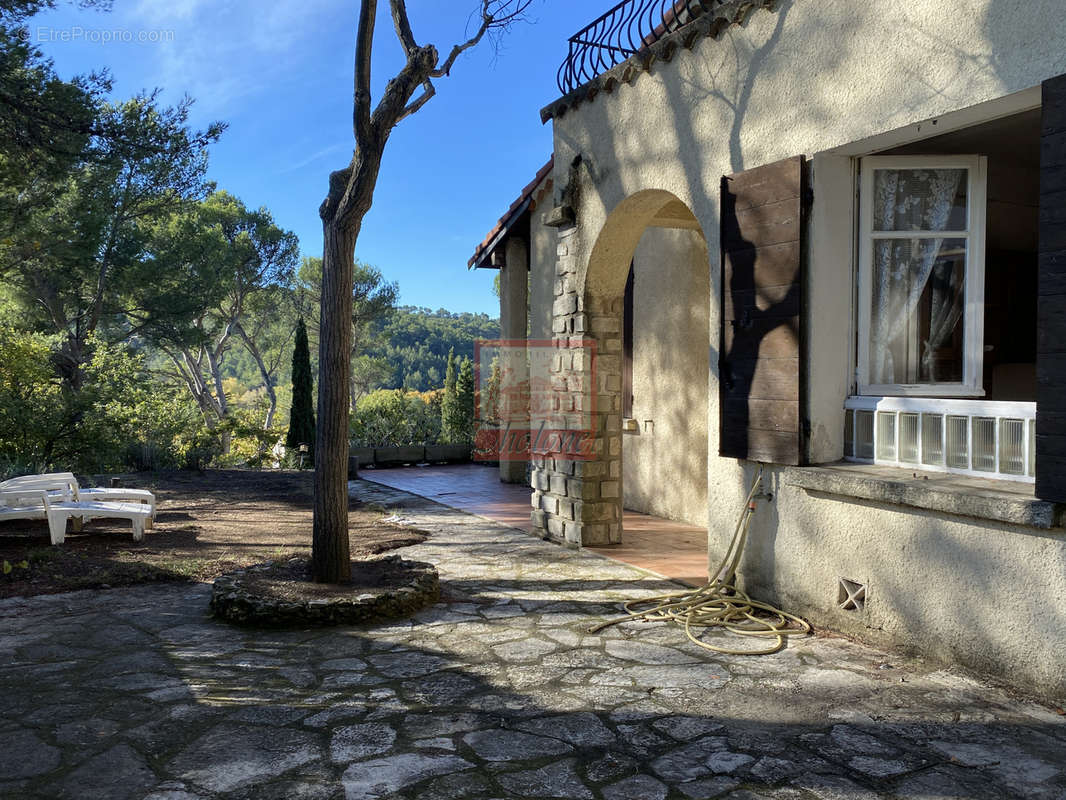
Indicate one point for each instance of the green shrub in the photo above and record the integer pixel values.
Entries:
(394, 417)
(31, 401)
(120, 418)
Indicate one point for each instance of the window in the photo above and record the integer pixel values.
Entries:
(987, 439)
(921, 276)
(946, 340)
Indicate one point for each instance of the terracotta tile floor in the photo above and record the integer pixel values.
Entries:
(672, 549)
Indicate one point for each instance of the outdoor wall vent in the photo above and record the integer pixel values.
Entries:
(851, 595)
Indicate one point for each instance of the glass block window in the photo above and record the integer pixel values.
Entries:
(984, 444)
(987, 439)
(958, 442)
(1032, 448)
(886, 436)
(932, 440)
(864, 434)
(849, 431)
(1012, 443)
(909, 425)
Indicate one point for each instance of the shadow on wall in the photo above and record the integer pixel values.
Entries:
(749, 326)
(712, 88)
(666, 461)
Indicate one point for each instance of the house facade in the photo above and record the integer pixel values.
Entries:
(826, 240)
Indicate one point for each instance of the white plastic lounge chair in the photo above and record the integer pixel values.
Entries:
(16, 506)
(137, 513)
(63, 486)
(64, 482)
(37, 503)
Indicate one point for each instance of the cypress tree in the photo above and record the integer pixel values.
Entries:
(448, 419)
(302, 414)
(464, 399)
(490, 408)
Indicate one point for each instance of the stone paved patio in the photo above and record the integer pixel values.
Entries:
(497, 692)
(668, 548)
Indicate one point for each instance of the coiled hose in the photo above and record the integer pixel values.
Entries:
(720, 604)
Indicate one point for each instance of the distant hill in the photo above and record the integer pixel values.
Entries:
(408, 349)
(415, 343)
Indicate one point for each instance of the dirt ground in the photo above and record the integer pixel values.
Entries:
(206, 524)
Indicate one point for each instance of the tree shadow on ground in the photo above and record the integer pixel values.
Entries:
(498, 693)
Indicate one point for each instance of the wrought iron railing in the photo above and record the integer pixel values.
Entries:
(621, 33)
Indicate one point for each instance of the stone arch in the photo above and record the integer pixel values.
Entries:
(580, 499)
(622, 232)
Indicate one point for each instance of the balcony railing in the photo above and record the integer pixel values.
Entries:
(622, 32)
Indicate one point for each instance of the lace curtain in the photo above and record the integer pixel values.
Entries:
(918, 200)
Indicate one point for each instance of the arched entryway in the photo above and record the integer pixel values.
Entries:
(643, 367)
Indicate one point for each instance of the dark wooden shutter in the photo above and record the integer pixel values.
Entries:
(761, 357)
(1051, 299)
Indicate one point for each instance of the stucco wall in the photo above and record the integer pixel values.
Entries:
(665, 460)
(541, 271)
(979, 593)
(825, 78)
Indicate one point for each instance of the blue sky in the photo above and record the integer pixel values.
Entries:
(280, 74)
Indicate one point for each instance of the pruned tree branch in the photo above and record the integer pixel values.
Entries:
(494, 14)
(414, 106)
(351, 188)
(402, 23)
(364, 50)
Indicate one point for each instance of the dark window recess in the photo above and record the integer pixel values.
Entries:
(1012, 145)
(1051, 298)
(627, 347)
(760, 362)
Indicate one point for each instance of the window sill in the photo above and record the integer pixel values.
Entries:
(1001, 501)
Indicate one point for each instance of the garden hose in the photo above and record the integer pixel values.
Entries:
(720, 604)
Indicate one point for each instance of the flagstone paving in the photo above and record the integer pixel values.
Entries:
(496, 692)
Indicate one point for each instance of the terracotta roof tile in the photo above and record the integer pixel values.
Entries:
(525, 201)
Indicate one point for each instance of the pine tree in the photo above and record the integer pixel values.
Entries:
(302, 415)
(351, 194)
(448, 420)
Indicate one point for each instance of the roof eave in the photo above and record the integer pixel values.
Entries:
(526, 201)
(485, 254)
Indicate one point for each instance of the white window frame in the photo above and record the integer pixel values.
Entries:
(974, 290)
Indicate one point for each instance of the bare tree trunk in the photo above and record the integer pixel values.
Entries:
(214, 366)
(331, 558)
(264, 373)
(351, 192)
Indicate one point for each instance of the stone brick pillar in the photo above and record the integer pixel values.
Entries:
(514, 316)
(578, 500)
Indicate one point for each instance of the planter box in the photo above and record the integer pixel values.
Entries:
(364, 454)
(448, 453)
(394, 456)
